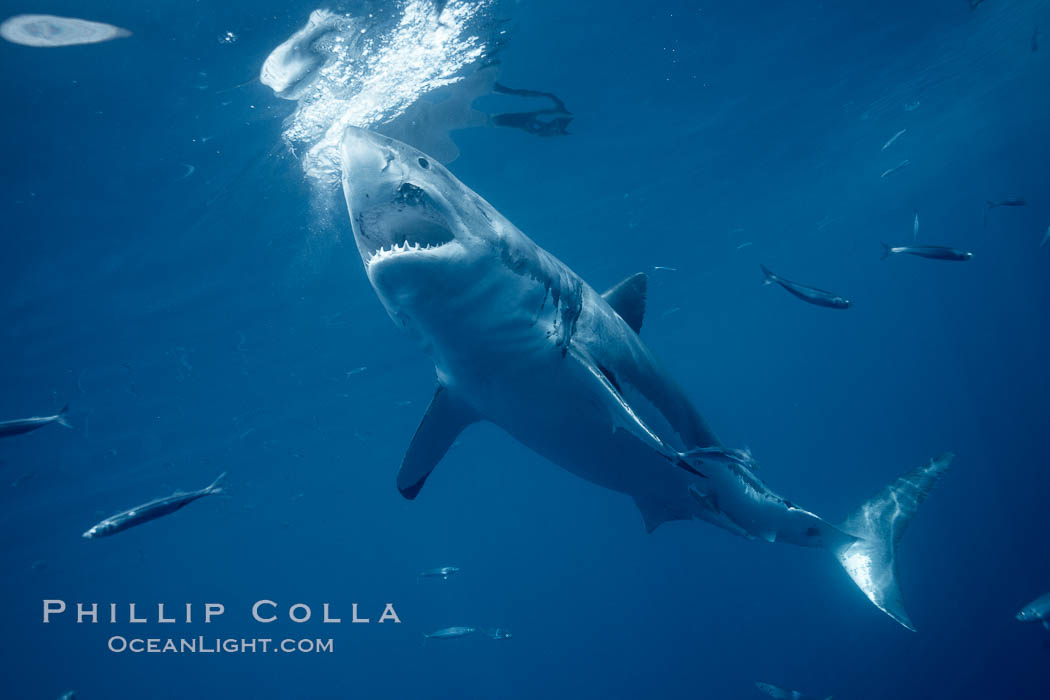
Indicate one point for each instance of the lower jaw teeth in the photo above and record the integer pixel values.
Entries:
(400, 248)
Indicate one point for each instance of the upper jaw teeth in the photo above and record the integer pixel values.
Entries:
(396, 249)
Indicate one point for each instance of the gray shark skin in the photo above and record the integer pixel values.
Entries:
(518, 339)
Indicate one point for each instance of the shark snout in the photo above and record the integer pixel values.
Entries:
(394, 197)
(364, 151)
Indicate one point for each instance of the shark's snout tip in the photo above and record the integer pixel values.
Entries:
(356, 135)
(364, 151)
(351, 131)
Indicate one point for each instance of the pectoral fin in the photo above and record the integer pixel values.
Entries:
(445, 419)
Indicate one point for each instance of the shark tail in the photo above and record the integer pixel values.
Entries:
(770, 277)
(61, 417)
(871, 560)
(886, 251)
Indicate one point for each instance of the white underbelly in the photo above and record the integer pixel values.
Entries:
(541, 402)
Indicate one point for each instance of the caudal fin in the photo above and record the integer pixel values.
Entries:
(61, 417)
(215, 487)
(871, 561)
(770, 277)
(886, 251)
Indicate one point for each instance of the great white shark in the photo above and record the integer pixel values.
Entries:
(520, 340)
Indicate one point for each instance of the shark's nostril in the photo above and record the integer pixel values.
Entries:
(409, 194)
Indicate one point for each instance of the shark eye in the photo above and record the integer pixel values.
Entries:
(424, 163)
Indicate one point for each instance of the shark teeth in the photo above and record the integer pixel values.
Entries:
(399, 249)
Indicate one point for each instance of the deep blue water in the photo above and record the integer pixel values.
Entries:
(214, 323)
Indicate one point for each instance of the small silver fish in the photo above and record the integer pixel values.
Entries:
(784, 694)
(25, 425)
(893, 139)
(498, 633)
(442, 573)
(1037, 611)
(915, 228)
(806, 293)
(1046, 237)
(933, 252)
(450, 633)
(903, 164)
(150, 511)
(1011, 202)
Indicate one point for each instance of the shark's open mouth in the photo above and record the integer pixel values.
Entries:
(414, 235)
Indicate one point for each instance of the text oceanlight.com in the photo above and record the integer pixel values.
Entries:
(204, 645)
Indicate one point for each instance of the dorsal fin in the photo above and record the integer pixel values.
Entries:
(445, 419)
(628, 299)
